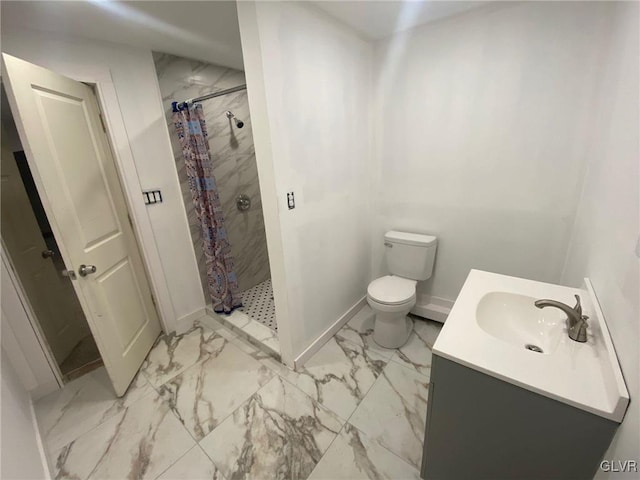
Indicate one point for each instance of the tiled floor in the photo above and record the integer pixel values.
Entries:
(257, 302)
(207, 404)
(84, 358)
(248, 328)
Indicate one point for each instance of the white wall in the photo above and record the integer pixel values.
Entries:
(605, 235)
(309, 87)
(481, 129)
(497, 130)
(22, 340)
(139, 134)
(21, 454)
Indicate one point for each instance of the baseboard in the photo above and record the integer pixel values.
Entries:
(44, 389)
(433, 308)
(328, 333)
(185, 323)
(44, 458)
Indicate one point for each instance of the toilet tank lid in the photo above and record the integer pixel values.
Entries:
(410, 238)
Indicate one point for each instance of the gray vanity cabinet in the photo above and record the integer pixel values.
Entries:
(480, 427)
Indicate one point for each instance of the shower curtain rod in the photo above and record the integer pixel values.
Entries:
(177, 105)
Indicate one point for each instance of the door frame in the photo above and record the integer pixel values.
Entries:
(27, 348)
(111, 114)
(102, 84)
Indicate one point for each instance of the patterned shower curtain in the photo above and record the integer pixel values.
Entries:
(222, 281)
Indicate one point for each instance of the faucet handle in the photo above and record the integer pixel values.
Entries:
(578, 307)
(579, 331)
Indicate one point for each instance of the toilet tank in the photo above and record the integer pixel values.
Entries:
(410, 255)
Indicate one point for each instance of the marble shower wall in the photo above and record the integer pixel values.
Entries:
(233, 157)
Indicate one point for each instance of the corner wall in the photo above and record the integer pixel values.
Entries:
(481, 128)
(309, 83)
(22, 455)
(605, 246)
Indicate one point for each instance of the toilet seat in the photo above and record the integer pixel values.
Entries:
(391, 308)
(392, 290)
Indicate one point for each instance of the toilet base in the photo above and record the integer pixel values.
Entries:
(392, 330)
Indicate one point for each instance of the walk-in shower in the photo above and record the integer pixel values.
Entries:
(233, 163)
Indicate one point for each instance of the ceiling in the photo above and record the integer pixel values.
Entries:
(377, 19)
(205, 30)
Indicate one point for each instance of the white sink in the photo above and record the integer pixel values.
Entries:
(514, 319)
(494, 319)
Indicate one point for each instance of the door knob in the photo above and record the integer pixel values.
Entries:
(85, 270)
(48, 253)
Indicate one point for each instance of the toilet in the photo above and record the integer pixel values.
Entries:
(409, 257)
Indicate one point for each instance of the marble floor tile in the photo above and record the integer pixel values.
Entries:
(263, 334)
(279, 433)
(338, 375)
(353, 455)
(248, 327)
(359, 330)
(194, 465)
(207, 392)
(81, 405)
(140, 442)
(265, 358)
(172, 354)
(394, 412)
(416, 353)
(213, 324)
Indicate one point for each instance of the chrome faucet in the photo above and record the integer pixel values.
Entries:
(576, 322)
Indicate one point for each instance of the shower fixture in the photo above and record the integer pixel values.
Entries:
(239, 123)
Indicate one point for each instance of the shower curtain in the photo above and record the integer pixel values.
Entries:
(222, 281)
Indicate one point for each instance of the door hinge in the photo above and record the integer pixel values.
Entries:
(153, 300)
(104, 129)
(130, 221)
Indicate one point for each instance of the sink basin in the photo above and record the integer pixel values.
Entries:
(495, 328)
(514, 319)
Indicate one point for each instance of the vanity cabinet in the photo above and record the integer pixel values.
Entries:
(480, 427)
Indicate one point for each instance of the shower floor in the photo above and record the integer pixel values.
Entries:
(258, 304)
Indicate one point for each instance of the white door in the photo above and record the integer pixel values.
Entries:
(48, 292)
(60, 129)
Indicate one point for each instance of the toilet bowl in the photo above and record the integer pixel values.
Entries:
(392, 298)
(410, 258)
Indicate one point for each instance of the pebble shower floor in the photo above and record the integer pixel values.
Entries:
(257, 302)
